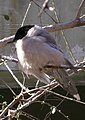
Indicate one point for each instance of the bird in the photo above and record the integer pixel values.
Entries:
(36, 48)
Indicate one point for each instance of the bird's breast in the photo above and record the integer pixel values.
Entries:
(24, 65)
(20, 52)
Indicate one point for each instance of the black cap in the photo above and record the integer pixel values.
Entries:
(21, 32)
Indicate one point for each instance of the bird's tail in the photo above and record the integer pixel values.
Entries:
(66, 82)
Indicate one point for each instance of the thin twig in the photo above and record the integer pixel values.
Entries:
(43, 7)
(9, 87)
(45, 12)
(64, 67)
(41, 90)
(63, 26)
(15, 78)
(34, 97)
(9, 58)
(47, 115)
(31, 117)
(6, 40)
(61, 101)
(50, 28)
(15, 100)
(64, 36)
(29, 5)
(80, 9)
(65, 116)
(67, 98)
(51, 85)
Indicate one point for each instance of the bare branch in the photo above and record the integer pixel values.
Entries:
(10, 105)
(79, 67)
(8, 87)
(65, 67)
(50, 28)
(3, 58)
(28, 7)
(27, 115)
(63, 26)
(33, 98)
(40, 91)
(15, 78)
(6, 40)
(67, 98)
(80, 9)
(63, 35)
(45, 12)
(43, 7)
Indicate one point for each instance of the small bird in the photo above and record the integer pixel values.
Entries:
(36, 49)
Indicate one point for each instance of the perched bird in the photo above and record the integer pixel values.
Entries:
(36, 49)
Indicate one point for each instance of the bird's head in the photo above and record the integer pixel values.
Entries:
(21, 32)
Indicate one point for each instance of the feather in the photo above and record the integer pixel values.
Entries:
(66, 82)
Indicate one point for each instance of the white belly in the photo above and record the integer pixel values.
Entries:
(21, 57)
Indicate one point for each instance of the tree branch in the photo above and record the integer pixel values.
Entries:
(57, 27)
(50, 28)
(63, 26)
(3, 58)
(64, 67)
(43, 7)
(6, 40)
(80, 9)
(30, 100)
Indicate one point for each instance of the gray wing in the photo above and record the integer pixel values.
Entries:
(46, 37)
(43, 51)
